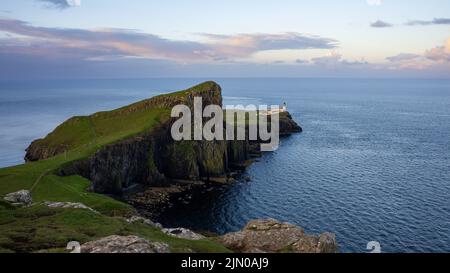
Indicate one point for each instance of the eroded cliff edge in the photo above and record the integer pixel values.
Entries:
(150, 157)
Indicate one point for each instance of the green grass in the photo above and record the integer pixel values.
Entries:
(82, 139)
(45, 186)
(73, 189)
(101, 128)
(206, 86)
(41, 228)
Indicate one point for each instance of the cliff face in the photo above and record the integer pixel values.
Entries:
(152, 158)
(119, 166)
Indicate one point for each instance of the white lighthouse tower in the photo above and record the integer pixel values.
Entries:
(283, 108)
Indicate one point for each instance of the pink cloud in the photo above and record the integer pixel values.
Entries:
(440, 53)
(114, 43)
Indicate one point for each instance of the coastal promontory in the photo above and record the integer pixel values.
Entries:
(94, 177)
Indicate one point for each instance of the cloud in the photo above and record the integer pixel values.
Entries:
(301, 61)
(107, 44)
(438, 54)
(242, 45)
(408, 61)
(331, 59)
(61, 4)
(435, 57)
(380, 24)
(95, 44)
(435, 21)
(441, 21)
(334, 59)
(374, 2)
(28, 51)
(403, 57)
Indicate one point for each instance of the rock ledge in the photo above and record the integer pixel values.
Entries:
(271, 236)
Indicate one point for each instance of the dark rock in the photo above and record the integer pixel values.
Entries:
(153, 201)
(81, 167)
(288, 125)
(119, 166)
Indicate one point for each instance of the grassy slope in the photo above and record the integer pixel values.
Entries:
(42, 229)
(103, 129)
(30, 229)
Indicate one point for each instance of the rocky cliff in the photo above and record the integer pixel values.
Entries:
(151, 157)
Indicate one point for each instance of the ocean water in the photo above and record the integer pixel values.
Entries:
(373, 163)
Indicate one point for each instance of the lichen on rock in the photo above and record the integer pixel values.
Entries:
(19, 198)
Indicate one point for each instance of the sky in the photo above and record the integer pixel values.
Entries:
(58, 39)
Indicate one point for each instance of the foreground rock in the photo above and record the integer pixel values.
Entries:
(124, 244)
(271, 236)
(183, 233)
(20, 198)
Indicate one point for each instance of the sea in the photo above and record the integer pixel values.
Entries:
(373, 162)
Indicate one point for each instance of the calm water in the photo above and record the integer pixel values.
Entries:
(372, 164)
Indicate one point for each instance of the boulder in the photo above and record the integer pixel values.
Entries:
(124, 244)
(20, 198)
(183, 233)
(271, 236)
